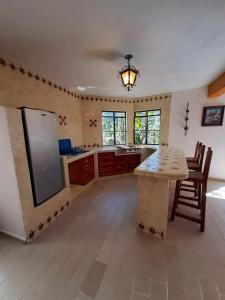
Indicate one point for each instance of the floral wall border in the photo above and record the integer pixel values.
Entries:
(128, 101)
(43, 225)
(13, 67)
(154, 232)
(167, 96)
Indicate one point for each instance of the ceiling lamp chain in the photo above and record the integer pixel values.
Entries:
(129, 74)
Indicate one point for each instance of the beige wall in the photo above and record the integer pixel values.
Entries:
(211, 136)
(91, 110)
(18, 90)
(11, 221)
(34, 218)
(162, 102)
(92, 107)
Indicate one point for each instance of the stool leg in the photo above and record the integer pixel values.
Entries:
(176, 198)
(199, 194)
(195, 192)
(203, 207)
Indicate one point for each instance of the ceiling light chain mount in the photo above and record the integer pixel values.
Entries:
(128, 74)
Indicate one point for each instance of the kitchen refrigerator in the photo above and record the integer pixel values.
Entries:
(40, 132)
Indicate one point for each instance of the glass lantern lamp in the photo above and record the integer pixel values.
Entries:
(128, 74)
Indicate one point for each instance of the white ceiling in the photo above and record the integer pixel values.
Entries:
(177, 44)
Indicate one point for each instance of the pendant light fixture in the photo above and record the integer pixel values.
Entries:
(128, 74)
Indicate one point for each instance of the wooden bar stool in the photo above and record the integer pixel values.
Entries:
(196, 166)
(194, 158)
(199, 178)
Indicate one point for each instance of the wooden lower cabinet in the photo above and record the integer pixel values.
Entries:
(111, 164)
(82, 171)
(120, 163)
(106, 164)
(133, 161)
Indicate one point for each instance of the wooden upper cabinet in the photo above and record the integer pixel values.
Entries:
(82, 170)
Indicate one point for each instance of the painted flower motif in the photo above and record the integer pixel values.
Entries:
(41, 226)
(49, 219)
(13, 67)
(152, 230)
(141, 226)
(22, 71)
(2, 62)
(31, 234)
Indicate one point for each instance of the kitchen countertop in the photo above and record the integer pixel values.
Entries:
(165, 163)
(71, 158)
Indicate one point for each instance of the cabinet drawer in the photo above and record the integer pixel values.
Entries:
(82, 170)
(134, 158)
(104, 157)
(106, 154)
(106, 173)
(105, 164)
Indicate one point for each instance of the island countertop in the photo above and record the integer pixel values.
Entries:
(165, 163)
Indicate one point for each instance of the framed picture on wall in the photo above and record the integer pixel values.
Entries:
(213, 115)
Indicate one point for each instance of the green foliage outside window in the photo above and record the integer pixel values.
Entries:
(147, 127)
(113, 128)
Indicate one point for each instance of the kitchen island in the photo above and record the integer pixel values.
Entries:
(154, 176)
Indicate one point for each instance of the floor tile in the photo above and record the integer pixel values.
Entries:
(93, 280)
(93, 251)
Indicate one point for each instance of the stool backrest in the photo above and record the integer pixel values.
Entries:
(200, 155)
(196, 149)
(207, 163)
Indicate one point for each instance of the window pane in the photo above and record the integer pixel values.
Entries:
(107, 113)
(108, 138)
(149, 120)
(153, 112)
(107, 124)
(120, 124)
(120, 138)
(140, 113)
(140, 123)
(140, 137)
(113, 127)
(154, 122)
(153, 137)
(120, 114)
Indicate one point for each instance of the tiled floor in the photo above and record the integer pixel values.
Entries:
(94, 252)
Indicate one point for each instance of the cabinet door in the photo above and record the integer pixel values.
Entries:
(82, 171)
(76, 174)
(106, 164)
(133, 161)
(89, 172)
(121, 164)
